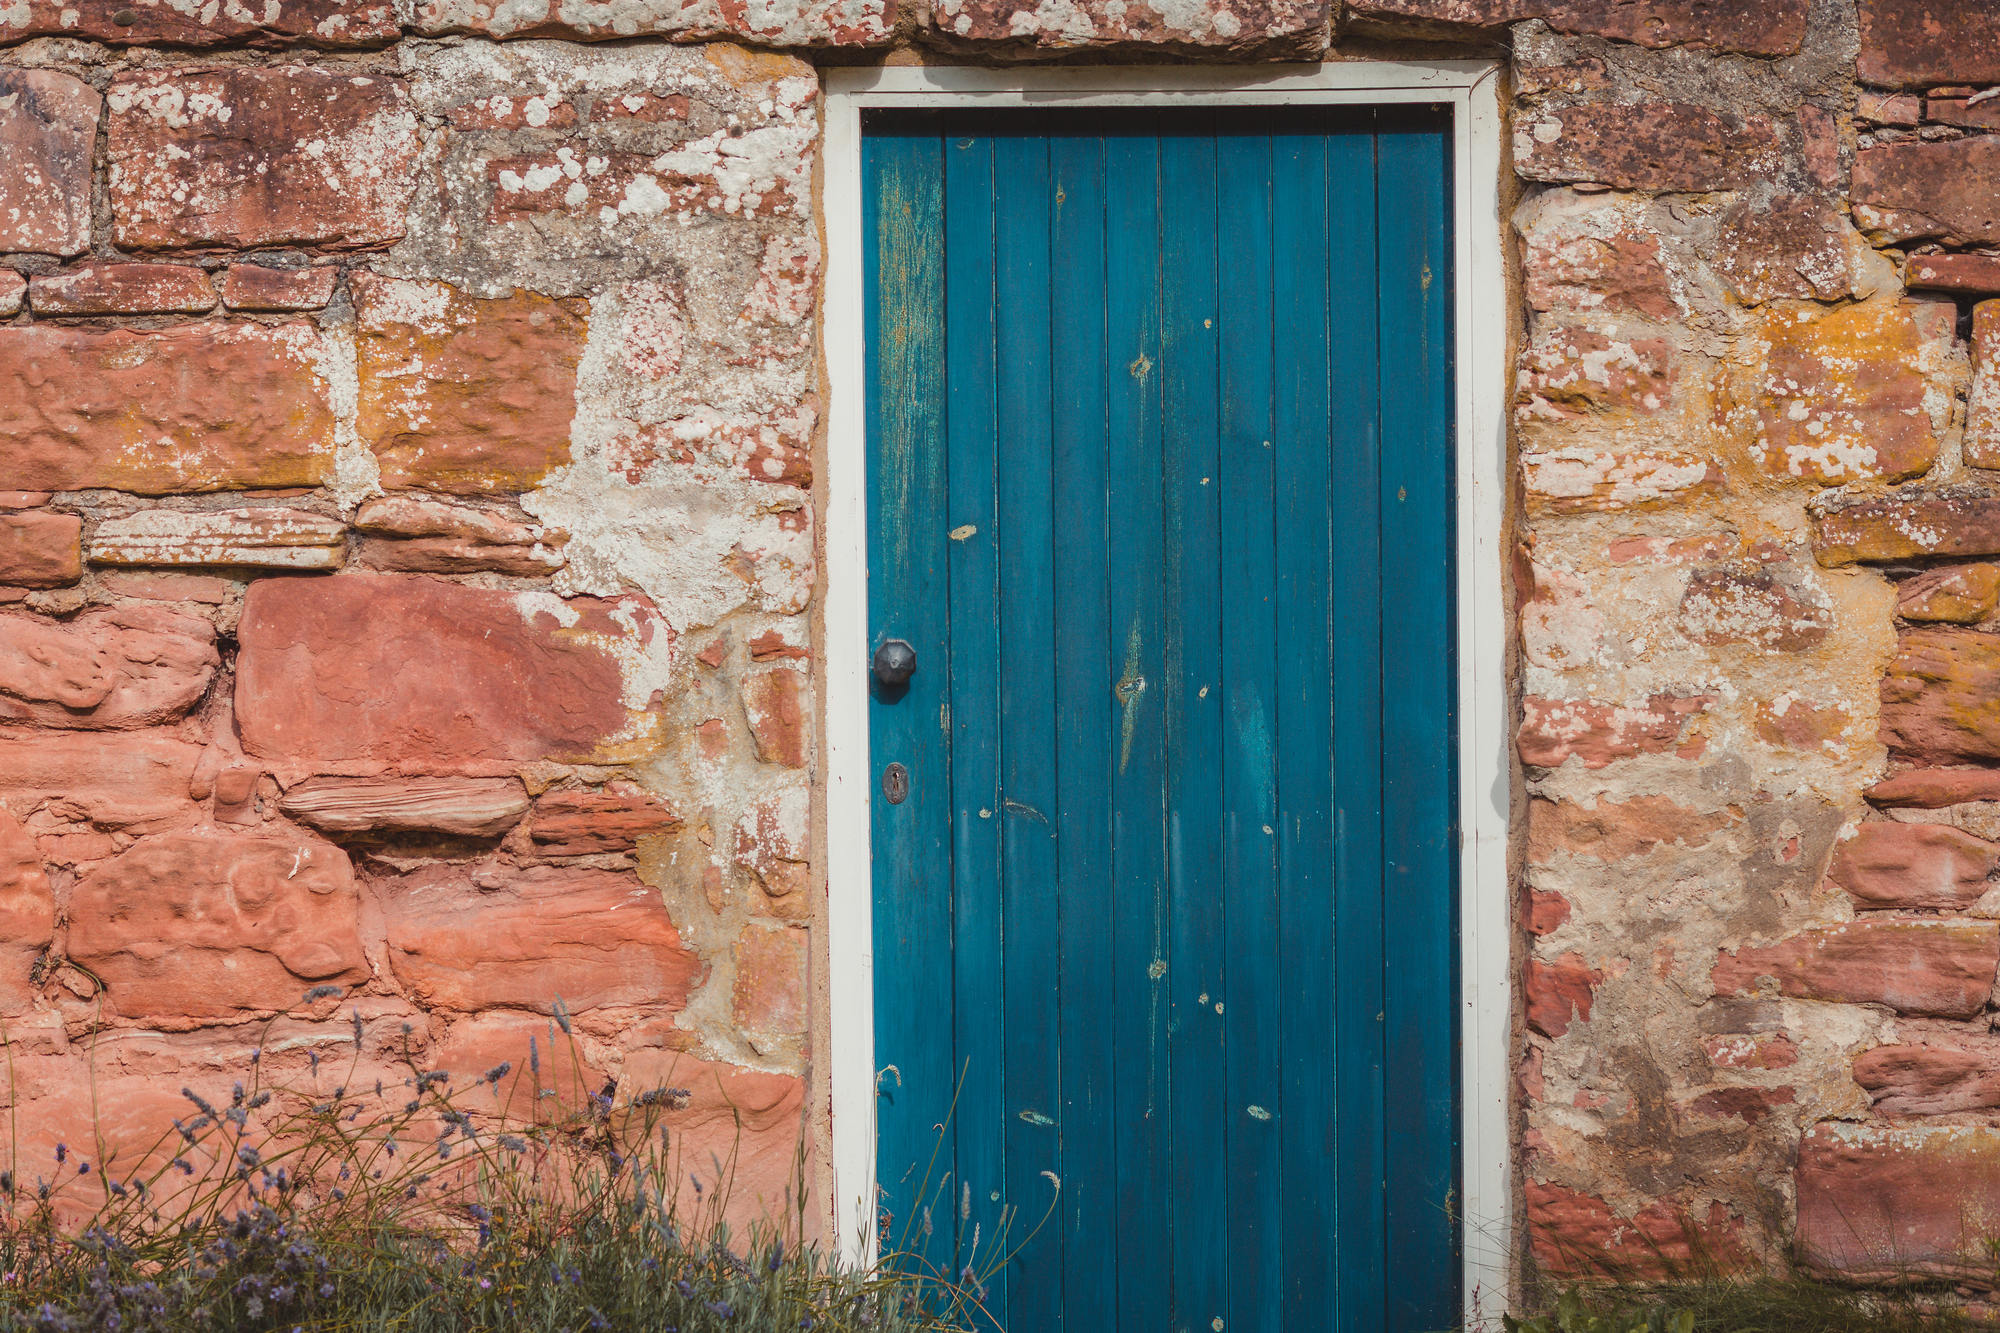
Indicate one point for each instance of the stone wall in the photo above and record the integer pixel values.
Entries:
(409, 426)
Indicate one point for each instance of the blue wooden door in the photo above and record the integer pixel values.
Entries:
(1160, 452)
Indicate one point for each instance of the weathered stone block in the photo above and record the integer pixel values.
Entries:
(1792, 246)
(1842, 395)
(1773, 608)
(1923, 43)
(1753, 27)
(13, 292)
(775, 704)
(1585, 480)
(1644, 146)
(1944, 1074)
(187, 927)
(1970, 274)
(1948, 191)
(252, 538)
(200, 407)
(467, 807)
(1894, 865)
(122, 289)
(1935, 788)
(416, 516)
(39, 549)
(243, 157)
(465, 395)
(258, 287)
(1960, 521)
(447, 555)
(161, 22)
(500, 937)
(1554, 730)
(1955, 595)
(1583, 256)
(769, 995)
(1559, 991)
(409, 669)
(771, 843)
(1576, 1234)
(1873, 1200)
(114, 670)
(1943, 969)
(788, 23)
(582, 823)
(1609, 830)
(27, 914)
(1941, 697)
(1229, 26)
(1982, 408)
(137, 782)
(48, 135)
(483, 1044)
(1567, 371)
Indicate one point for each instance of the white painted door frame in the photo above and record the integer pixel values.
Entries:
(1470, 89)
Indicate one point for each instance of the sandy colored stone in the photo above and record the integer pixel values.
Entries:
(1941, 697)
(240, 156)
(1584, 261)
(196, 407)
(1568, 371)
(1841, 395)
(48, 134)
(187, 927)
(465, 395)
(39, 549)
(1942, 969)
(109, 288)
(769, 995)
(264, 538)
(546, 1074)
(1982, 407)
(115, 669)
(776, 706)
(406, 668)
(470, 807)
(1777, 609)
(485, 937)
(1609, 830)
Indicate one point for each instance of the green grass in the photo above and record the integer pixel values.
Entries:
(1743, 1304)
(415, 1205)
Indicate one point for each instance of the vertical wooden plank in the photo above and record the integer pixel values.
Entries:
(1302, 250)
(1195, 894)
(1084, 677)
(1134, 568)
(1418, 723)
(1249, 1005)
(906, 599)
(974, 703)
(1355, 517)
(1028, 757)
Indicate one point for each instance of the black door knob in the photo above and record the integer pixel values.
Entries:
(895, 662)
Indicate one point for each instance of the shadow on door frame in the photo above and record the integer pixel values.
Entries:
(1470, 89)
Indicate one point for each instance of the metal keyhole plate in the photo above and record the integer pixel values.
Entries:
(895, 784)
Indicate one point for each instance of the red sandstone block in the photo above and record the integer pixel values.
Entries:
(580, 823)
(1955, 595)
(775, 704)
(40, 550)
(1645, 146)
(1973, 274)
(1753, 27)
(27, 914)
(1892, 1201)
(497, 937)
(1575, 269)
(1947, 191)
(48, 134)
(403, 668)
(1919, 43)
(1567, 371)
(256, 287)
(483, 1042)
(1947, 1073)
(133, 781)
(1944, 969)
(13, 292)
(1244, 26)
(241, 156)
(1941, 697)
(1609, 830)
(199, 407)
(1935, 788)
(1559, 991)
(464, 807)
(465, 395)
(1889, 108)
(1963, 521)
(111, 669)
(318, 22)
(1554, 730)
(769, 996)
(1887, 864)
(150, 587)
(1578, 1235)
(187, 927)
(122, 289)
